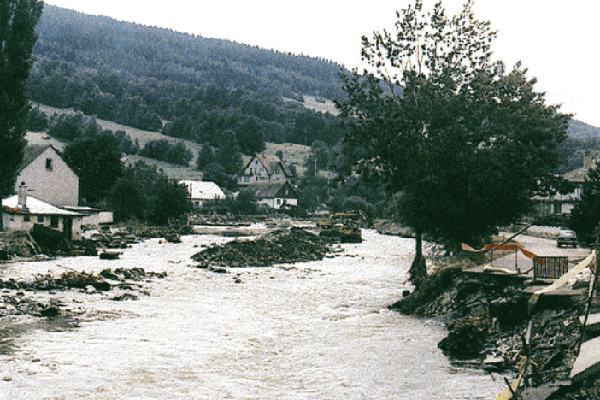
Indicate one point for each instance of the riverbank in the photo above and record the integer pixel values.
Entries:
(487, 319)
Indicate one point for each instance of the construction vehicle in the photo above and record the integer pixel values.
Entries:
(344, 225)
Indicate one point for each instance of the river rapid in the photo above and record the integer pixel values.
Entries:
(317, 330)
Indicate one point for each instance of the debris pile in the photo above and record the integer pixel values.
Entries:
(487, 322)
(122, 237)
(18, 296)
(19, 243)
(279, 247)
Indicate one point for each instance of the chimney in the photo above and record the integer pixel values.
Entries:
(22, 196)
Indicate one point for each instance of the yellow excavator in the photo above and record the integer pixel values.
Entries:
(344, 225)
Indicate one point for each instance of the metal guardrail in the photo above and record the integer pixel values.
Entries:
(550, 267)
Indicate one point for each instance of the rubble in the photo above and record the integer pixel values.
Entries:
(280, 247)
(487, 318)
(18, 297)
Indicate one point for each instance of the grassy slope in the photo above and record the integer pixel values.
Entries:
(294, 154)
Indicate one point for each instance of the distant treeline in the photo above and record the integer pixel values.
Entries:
(184, 85)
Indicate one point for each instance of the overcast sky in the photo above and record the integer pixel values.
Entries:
(556, 40)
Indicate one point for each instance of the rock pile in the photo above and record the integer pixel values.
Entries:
(123, 237)
(487, 321)
(285, 246)
(17, 296)
(19, 243)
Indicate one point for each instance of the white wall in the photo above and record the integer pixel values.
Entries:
(17, 223)
(96, 219)
(58, 185)
(277, 202)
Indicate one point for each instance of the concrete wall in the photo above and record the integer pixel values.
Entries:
(276, 203)
(103, 217)
(25, 223)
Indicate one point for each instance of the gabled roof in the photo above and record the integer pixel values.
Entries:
(34, 206)
(270, 163)
(204, 190)
(32, 152)
(577, 175)
(270, 190)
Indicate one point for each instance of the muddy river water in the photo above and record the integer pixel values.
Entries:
(317, 330)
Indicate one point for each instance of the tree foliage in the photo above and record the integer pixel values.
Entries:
(437, 119)
(37, 121)
(141, 76)
(215, 172)
(585, 216)
(18, 19)
(96, 159)
(206, 156)
(162, 150)
(142, 193)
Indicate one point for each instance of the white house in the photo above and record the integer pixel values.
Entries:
(276, 195)
(202, 192)
(264, 169)
(22, 212)
(48, 177)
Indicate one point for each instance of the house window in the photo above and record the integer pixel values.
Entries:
(54, 222)
(27, 218)
(40, 219)
(49, 164)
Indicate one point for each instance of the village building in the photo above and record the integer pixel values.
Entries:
(48, 194)
(560, 204)
(92, 217)
(22, 212)
(48, 177)
(275, 195)
(203, 193)
(264, 169)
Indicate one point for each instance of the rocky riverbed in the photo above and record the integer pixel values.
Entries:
(38, 296)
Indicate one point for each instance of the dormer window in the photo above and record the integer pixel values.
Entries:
(49, 164)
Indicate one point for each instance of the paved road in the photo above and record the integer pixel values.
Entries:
(540, 247)
(547, 247)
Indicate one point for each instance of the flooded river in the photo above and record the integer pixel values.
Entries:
(317, 330)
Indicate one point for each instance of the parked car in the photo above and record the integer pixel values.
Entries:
(566, 238)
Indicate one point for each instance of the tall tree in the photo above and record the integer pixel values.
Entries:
(147, 194)
(97, 161)
(435, 118)
(18, 19)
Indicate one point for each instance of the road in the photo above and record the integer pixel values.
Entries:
(547, 247)
(539, 246)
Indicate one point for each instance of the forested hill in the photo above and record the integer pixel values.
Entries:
(581, 130)
(200, 87)
(206, 90)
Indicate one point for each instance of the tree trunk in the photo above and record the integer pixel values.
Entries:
(418, 269)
